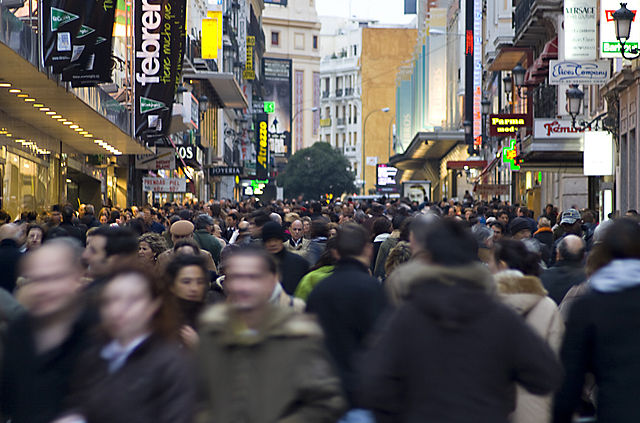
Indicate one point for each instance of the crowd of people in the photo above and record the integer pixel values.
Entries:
(297, 311)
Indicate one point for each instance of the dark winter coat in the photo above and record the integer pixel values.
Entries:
(602, 338)
(9, 256)
(453, 353)
(545, 236)
(292, 268)
(348, 303)
(208, 242)
(33, 386)
(560, 278)
(156, 384)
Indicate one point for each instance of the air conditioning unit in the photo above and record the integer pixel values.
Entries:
(10, 4)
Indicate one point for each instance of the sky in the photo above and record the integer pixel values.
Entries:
(385, 11)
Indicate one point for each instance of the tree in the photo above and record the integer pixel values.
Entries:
(315, 171)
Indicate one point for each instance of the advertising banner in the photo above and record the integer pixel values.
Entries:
(575, 72)
(386, 178)
(165, 158)
(277, 89)
(61, 21)
(91, 59)
(156, 184)
(159, 32)
(262, 146)
(507, 124)
(609, 45)
(580, 22)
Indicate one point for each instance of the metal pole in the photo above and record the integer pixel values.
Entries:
(390, 137)
(468, 69)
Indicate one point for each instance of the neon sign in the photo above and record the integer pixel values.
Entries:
(509, 155)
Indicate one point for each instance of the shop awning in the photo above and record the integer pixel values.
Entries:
(228, 92)
(426, 146)
(45, 95)
(509, 57)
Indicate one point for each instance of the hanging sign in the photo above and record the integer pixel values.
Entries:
(609, 44)
(509, 156)
(159, 32)
(248, 72)
(262, 146)
(555, 128)
(61, 22)
(580, 23)
(507, 124)
(156, 184)
(594, 72)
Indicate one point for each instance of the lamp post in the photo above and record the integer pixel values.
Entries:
(623, 19)
(390, 135)
(574, 102)
(364, 134)
(295, 115)
(518, 73)
(508, 88)
(486, 109)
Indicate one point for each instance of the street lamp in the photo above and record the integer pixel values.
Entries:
(518, 79)
(364, 134)
(486, 106)
(507, 81)
(623, 18)
(574, 102)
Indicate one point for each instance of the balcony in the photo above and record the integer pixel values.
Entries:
(339, 92)
(325, 94)
(341, 121)
(348, 92)
(534, 20)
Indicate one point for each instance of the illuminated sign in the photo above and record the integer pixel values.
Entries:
(509, 156)
(269, 106)
(507, 124)
(386, 178)
(262, 147)
(249, 73)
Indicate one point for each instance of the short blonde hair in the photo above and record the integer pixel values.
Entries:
(544, 222)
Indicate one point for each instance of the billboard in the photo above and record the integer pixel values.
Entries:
(61, 22)
(386, 178)
(277, 89)
(262, 146)
(159, 37)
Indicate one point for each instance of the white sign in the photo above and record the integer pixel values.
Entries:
(165, 158)
(598, 153)
(371, 160)
(164, 184)
(578, 72)
(554, 128)
(580, 22)
(609, 45)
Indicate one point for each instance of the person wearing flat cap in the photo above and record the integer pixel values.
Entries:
(183, 229)
(291, 266)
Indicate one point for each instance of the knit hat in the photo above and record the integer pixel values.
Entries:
(518, 224)
(272, 230)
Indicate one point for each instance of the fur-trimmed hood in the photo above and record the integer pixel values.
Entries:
(278, 322)
(521, 292)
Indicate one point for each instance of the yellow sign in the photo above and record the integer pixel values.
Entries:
(251, 40)
(248, 72)
(325, 122)
(210, 38)
(262, 150)
(211, 14)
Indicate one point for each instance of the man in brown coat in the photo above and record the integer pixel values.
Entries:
(260, 362)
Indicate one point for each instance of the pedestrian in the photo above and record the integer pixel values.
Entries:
(291, 267)
(323, 268)
(400, 232)
(544, 235)
(568, 269)
(9, 255)
(183, 229)
(452, 352)
(269, 363)
(382, 228)
(599, 332)
(150, 246)
(137, 372)
(520, 228)
(318, 242)
(42, 346)
(297, 244)
(202, 235)
(35, 236)
(348, 304)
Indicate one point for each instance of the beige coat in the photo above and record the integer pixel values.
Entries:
(528, 298)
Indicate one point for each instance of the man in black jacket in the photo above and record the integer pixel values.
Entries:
(9, 255)
(348, 303)
(452, 352)
(291, 267)
(568, 270)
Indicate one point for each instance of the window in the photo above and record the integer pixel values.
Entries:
(315, 42)
(275, 38)
(355, 114)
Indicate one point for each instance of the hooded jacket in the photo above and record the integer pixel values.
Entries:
(279, 372)
(527, 296)
(453, 353)
(602, 338)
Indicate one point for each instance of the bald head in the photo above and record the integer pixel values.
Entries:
(571, 249)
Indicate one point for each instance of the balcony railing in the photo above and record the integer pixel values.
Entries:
(339, 92)
(348, 92)
(521, 14)
(325, 94)
(341, 121)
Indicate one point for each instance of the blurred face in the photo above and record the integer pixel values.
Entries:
(95, 256)
(296, 230)
(145, 252)
(333, 232)
(103, 219)
(127, 308)
(274, 245)
(34, 238)
(230, 222)
(306, 226)
(56, 217)
(523, 234)
(248, 283)
(504, 219)
(52, 282)
(497, 233)
(190, 284)
(217, 232)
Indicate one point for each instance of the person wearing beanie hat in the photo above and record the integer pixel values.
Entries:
(291, 267)
(520, 228)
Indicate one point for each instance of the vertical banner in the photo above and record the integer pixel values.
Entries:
(90, 63)
(61, 21)
(243, 14)
(299, 109)
(477, 72)
(436, 70)
(249, 73)
(277, 89)
(159, 37)
(316, 102)
(262, 146)
(404, 116)
(580, 22)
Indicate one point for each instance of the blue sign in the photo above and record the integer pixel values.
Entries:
(596, 72)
